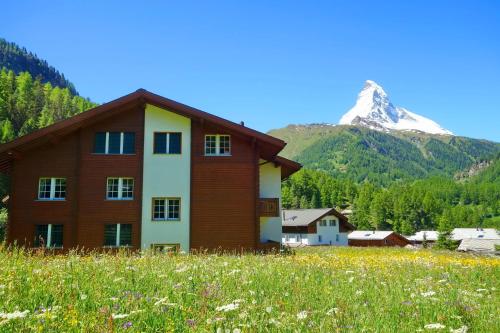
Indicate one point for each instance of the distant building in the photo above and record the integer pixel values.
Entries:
(301, 227)
(430, 236)
(459, 234)
(478, 245)
(376, 238)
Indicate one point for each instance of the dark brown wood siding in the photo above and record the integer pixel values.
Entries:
(85, 210)
(391, 240)
(224, 197)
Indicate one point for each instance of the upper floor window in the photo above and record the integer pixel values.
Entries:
(333, 223)
(166, 209)
(322, 223)
(217, 145)
(116, 235)
(167, 143)
(52, 189)
(49, 235)
(114, 143)
(119, 188)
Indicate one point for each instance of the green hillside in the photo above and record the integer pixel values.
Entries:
(360, 154)
(18, 59)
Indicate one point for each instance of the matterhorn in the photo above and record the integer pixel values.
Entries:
(373, 109)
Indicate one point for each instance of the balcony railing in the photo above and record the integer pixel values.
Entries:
(269, 207)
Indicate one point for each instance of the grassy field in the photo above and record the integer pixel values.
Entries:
(317, 290)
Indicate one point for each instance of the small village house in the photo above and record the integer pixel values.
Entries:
(429, 236)
(376, 238)
(324, 226)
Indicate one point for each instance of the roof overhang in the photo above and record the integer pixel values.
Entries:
(268, 146)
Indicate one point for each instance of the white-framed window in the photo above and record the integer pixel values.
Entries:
(322, 223)
(116, 235)
(217, 145)
(167, 143)
(337, 237)
(287, 238)
(333, 223)
(319, 238)
(49, 235)
(120, 188)
(52, 188)
(166, 209)
(298, 238)
(118, 143)
(165, 248)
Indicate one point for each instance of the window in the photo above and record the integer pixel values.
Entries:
(333, 223)
(217, 145)
(298, 238)
(166, 209)
(322, 223)
(167, 143)
(337, 237)
(165, 248)
(52, 189)
(287, 238)
(120, 188)
(319, 238)
(116, 235)
(49, 235)
(114, 143)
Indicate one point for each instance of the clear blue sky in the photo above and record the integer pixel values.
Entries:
(272, 63)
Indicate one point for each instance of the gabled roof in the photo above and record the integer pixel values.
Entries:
(369, 235)
(478, 233)
(430, 235)
(478, 245)
(304, 217)
(269, 145)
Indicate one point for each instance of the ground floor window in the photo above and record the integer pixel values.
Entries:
(49, 235)
(319, 238)
(337, 237)
(116, 235)
(165, 248)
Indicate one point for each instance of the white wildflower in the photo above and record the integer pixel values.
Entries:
(119, 316)
(114, 299)
(83, 297)
(14, 315)
(481, 289)
(436, 326)
(351, 279)
(359, 292)
(273, 321)
(428, 294)
(269, 309)
(181, 269)
(442, 281)
(332, 311)
(228, 307)
(302, 315)
(463, 329)
(349, 272)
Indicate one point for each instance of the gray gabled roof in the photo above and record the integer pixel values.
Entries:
(303, 217)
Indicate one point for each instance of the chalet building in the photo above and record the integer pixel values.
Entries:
(376, 238)
(145, 172)
(301, 227)
(428, 236)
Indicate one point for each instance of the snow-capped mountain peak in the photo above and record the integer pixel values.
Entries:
(373, 109)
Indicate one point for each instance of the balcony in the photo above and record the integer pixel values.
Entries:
(269, 207)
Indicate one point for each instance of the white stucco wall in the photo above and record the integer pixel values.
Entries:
(328, 235)
(166, 175)
(270, 187)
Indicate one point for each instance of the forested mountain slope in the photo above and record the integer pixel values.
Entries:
(18, 59)
(359, 153)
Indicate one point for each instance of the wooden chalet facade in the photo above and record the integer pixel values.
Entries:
(144, 171)
(377, 238)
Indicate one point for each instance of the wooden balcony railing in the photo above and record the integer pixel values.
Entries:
(269, 207)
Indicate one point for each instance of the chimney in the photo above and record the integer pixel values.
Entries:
(242, 123)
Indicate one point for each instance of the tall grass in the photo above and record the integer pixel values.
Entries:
(317, 290)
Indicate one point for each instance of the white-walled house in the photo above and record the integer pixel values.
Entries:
(323, 226)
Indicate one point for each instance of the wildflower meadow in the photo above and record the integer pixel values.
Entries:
(316, 290)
